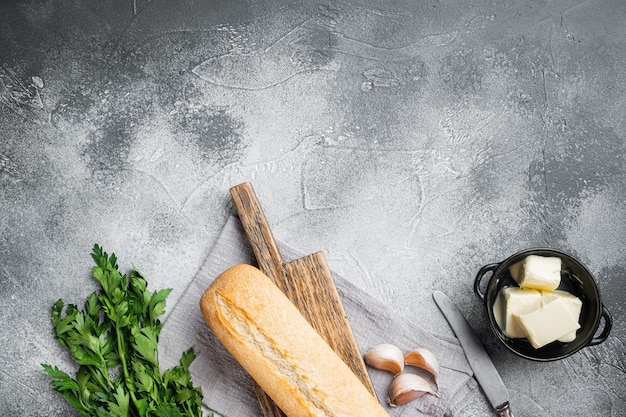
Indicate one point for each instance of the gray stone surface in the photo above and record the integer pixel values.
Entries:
(411, 141)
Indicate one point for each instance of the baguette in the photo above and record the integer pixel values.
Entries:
(264, 331)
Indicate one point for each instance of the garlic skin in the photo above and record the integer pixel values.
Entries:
(386, 357)
(424, 359)
(408, 387)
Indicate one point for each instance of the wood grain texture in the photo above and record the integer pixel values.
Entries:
(258, 231)
(312, 290)
(307, 282)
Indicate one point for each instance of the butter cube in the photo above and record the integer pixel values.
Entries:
(515, 301)
(538, 272)
(548, 323)
(516, 270)
(574, 304)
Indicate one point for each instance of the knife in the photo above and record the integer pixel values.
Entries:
(485, 372)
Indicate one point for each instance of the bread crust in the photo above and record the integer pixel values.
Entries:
(291, 362)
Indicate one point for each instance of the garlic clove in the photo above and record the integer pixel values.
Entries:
(425, 359)
(408, 387)
(386, 357)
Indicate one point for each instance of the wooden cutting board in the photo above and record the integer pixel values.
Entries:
(306, 281)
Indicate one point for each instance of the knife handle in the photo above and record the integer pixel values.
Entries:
(504, 410)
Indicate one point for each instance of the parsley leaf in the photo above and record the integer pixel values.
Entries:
(114, 341)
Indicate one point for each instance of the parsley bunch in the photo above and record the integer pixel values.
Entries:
(114, 342)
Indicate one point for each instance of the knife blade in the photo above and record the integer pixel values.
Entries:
(485, 372)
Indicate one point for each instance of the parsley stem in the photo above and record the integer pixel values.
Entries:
(122, 352)
(107, 376)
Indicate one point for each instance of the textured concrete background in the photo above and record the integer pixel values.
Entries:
(411, 141)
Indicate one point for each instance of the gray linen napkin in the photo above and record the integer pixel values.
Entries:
(226, 386)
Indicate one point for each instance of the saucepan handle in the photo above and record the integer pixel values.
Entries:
(479, 276)
(608, 323)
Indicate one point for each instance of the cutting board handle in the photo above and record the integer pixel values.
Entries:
(257, 229)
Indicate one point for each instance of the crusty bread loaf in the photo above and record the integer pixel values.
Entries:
(274, 343)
